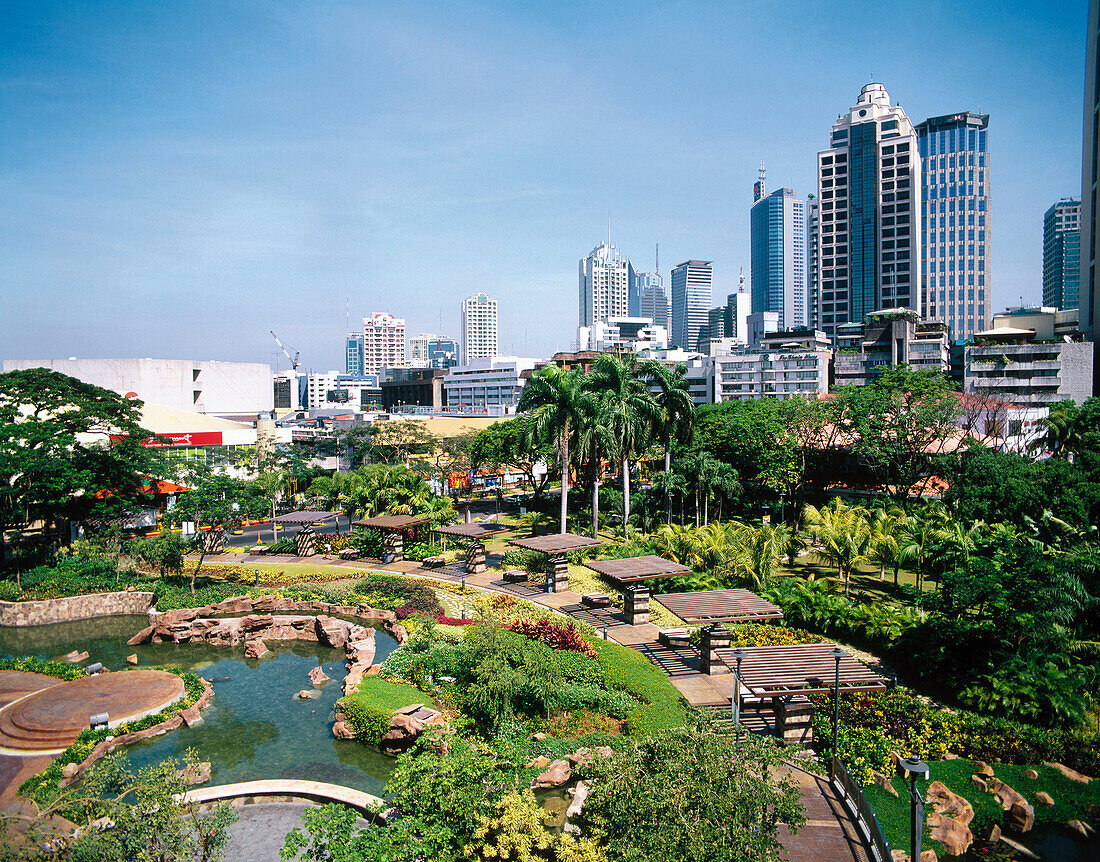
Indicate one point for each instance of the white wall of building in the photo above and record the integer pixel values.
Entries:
(201, 387)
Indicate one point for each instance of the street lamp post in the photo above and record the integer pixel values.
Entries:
(782, 508)
(735, 702)
(916, 769)
(837, 653)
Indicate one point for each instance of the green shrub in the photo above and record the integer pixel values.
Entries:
(765, 634)
(531, 562)
(286, 545)
(9, 591)
(420, 551)
(29, 664)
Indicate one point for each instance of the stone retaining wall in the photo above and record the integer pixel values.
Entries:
(70, 608)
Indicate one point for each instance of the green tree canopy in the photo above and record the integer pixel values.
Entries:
(62, 442)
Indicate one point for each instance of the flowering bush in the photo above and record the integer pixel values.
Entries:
(557, 635)
(445, 620)
(764, 634)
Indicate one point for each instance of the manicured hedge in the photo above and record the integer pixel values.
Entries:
(662, 706)
(371, 706)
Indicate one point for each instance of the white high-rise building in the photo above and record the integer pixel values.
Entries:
(479, 328)
(605, 280)
(868, 182)
(692, 296)
(383, 342)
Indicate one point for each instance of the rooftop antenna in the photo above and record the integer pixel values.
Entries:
(347, 313)
(609, 231)
(657, 259)
(758, 189)
(741, 279)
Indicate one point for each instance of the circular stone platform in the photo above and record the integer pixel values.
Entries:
(52, 719)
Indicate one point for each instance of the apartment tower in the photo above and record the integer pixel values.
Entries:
(479, 328)
(605, 279)
(383, 342)
(1062, 254)
(778, 245)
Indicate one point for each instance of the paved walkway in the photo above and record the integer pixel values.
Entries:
(283, 787)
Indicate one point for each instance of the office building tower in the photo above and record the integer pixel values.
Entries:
(1062, 254)
(432, 351)
(955, 198)
(1090, 175)
(870, 224)
(353, 353)
(778, 245)
(479, 328)
(605, 278)
(813, 228)
(648, 299)
(383, 342)
(691, 302)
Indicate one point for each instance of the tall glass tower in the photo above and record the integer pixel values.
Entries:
(868, 251)
(692, 297)
(1062, 254)
(778, 272)
(955, 284)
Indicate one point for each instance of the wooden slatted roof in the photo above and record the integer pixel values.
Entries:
(772, 671)
(391, 523)
(558, 543)
(304, 517)
(720, 606)
(631, 569)
(472, 531)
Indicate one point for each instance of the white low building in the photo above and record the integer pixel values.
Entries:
(200, 387)
(489, 386)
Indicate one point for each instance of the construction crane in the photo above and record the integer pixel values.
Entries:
(293, 362)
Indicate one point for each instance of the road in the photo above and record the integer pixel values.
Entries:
(260, 534)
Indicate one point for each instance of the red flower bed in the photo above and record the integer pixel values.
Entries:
(453, 621)
(561, 636)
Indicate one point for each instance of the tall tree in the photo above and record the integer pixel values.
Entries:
(553, 397)
(677, 410)
(843, 536)
(627, 409)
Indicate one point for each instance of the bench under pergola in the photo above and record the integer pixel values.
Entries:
(304, 540)
(720, 606)
(476, 533)
(393, 529)
(556, 546)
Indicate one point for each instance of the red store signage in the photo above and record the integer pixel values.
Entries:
(193, 438)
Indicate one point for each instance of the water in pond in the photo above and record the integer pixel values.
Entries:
(256, 727)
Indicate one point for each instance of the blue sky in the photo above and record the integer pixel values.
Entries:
(176, 179)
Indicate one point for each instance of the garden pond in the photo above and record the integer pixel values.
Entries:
(256, 727)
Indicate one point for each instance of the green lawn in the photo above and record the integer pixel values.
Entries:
(1071, 799)
(628, 669)
(370, 707)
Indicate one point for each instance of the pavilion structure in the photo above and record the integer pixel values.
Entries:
(476, 534)
(556, 546)
(630, 572)
(720, 606)
(394, 528)
(305, 544)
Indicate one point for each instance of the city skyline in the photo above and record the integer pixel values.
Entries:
(155, 171)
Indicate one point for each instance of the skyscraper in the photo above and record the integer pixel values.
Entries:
(778, 244)
(433, 351)
(1062, 254)
(479, 328)
(955, 274)
(869, 238)
(383, 342)
(813, 237)
(648, 299)
(353, 354)
(691, 302)
(605, 279)
(1090, 175)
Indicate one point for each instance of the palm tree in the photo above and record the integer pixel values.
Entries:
(628, 411)
(677, 410)
(766, 546)
(961, 540)
(553, 397)
(1061, 435)
(594, 441)
(884, 547)
(917, 537)
(843, 535)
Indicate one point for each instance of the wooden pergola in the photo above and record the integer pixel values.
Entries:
(776, 671)
(476, 533)
(720, 606)
(633, 569)
(556, 546)
(307, 517)
(393, 529)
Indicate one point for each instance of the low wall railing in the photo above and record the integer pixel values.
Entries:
(853, 797)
